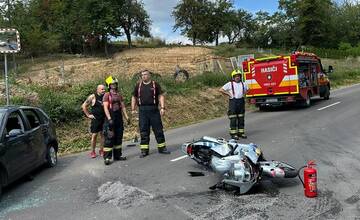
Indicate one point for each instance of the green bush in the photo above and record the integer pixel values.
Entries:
(335, 53)
(152, 42)
(344, 46)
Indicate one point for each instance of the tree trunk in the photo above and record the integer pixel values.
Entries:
(217, 39)
(128, 36)
(229, 39)
(106, 47)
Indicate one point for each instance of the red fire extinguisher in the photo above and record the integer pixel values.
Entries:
(310, 180)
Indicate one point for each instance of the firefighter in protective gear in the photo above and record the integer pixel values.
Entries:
(236, 90)
(114, 109)
(148, 96)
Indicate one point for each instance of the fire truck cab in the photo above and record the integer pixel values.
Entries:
(278, 80)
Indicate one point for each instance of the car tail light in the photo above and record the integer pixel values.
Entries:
(189, 149)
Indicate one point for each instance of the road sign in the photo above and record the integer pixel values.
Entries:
(236, 62)
(9, 43)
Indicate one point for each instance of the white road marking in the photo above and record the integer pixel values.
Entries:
(179, 158)
(328, 106)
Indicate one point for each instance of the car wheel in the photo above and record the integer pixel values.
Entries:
(1, 181)
(51, 156)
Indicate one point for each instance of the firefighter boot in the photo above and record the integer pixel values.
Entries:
(144, 153)
(243, 136)
(163, 150)
(235, 137)
(118, 154)
(107, 161)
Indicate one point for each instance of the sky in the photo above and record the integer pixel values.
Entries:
(162, 22)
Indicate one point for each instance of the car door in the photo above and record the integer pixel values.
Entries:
(16, 146)
(36, 136)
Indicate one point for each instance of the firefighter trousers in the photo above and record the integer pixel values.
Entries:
(113, 135)
(236, 115)
(149, 116)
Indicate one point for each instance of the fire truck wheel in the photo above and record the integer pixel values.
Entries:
(327, 93)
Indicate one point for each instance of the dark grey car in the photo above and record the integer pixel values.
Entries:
(27, 141)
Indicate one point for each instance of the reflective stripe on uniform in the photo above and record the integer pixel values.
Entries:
(107, 149)
(232, 116)
(118, 147)
(144, 146)
(240, 115)
(241, 130)
(161, 145)
(232, 131)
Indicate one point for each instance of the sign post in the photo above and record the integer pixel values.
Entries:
(9, 43)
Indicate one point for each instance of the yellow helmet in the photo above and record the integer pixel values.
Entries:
(111, 80)
(236, 72)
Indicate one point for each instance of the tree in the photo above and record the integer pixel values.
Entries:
(238, 25)
(347, 18)
(192, 18)
(311, 21)
(262, 34)
(220, 14)
(132, 18)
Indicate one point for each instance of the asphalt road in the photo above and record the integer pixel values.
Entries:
(158, 188)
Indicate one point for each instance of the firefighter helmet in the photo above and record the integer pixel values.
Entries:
(236, 72)
(111, 80)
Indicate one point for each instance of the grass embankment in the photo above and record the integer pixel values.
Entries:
(189, 102)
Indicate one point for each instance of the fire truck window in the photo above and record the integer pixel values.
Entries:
(314, 72)
(304, 72)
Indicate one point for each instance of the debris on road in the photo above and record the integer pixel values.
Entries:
(122, 195)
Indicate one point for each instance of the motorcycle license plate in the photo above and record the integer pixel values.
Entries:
(271, 100)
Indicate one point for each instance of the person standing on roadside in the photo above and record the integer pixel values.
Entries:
(97, 117)
(114, 108)
(147, 95)
(236, 90)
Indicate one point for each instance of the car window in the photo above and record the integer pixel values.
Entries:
(32, 117)
(14, 122)
(44, 119)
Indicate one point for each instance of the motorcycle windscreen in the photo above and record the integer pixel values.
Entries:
(222, 149)
(218, 145)
(251, 151)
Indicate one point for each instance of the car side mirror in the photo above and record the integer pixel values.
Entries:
(14, 133)
(330, 69)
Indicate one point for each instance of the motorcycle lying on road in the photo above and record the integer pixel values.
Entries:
(240, 165)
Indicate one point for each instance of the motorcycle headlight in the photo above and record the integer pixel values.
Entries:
(258, 151)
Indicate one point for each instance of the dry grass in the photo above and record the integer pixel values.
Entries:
(127, 63)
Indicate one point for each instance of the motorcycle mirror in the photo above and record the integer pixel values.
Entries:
(194, 173)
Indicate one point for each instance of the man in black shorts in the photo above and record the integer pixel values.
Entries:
(97, 116)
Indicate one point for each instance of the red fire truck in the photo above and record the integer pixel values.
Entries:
(278, 80)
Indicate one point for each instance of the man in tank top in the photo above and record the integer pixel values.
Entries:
(97, 117)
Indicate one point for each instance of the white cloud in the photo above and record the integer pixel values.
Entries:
(160, 13)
